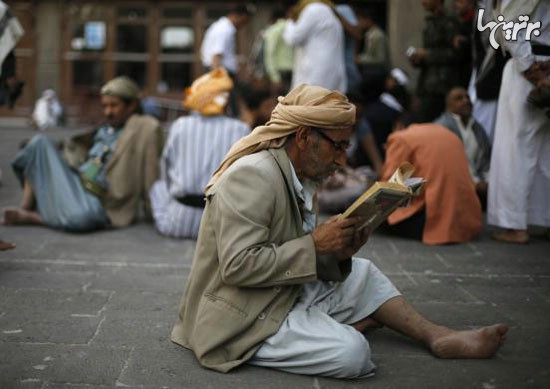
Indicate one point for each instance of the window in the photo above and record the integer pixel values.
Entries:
(87, 73)
(174, 39)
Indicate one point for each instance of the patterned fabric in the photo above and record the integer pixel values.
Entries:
(101, 152)
(195, 147)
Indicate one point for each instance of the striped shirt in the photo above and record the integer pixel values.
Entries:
(195, 147)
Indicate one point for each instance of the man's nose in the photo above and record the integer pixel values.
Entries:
(341, 159)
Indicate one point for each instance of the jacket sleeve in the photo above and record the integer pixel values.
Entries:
(153, 150)
(242, 215)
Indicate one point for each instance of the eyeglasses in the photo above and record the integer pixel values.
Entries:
(341, 146)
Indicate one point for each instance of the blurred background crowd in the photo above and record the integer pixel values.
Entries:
(401, 63)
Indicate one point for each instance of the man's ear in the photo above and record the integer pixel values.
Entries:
(302, 137)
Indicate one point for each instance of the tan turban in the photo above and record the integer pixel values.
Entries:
(305, 105)
(122, 87)
(209, 93)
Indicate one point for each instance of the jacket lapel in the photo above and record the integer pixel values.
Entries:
(283, 162)
(128, 133)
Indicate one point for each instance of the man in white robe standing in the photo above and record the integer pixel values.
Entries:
(519, 182)
(318, 37)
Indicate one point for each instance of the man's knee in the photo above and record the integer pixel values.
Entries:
(83, 221)
(39, 139)
(353, 359)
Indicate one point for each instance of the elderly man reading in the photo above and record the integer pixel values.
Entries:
(104, 176)
(269, 286)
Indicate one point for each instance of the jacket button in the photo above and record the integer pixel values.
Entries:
(261, 316)
(288, 273)
(277, 289)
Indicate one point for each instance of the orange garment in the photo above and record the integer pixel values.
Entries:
(453, 210)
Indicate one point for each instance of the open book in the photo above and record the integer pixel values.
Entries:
(382, 198)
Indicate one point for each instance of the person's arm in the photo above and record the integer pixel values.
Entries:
(151, 165)
(242, 228)
(243, 213)
(270, 43)
(297, 33)
(354, 30)
(217, 61)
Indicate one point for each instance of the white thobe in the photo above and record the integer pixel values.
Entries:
(319, 40)
(219, 39)
(519, 180)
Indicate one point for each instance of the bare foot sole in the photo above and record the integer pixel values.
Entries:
(6, 245)
(17, 216)
(511, 236)
(478, 343)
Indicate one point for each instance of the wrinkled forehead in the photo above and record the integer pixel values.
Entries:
(339, 133)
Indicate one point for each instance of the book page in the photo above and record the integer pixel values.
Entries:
(379, 206)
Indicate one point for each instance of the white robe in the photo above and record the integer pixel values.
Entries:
(319, 40)
(519, 181)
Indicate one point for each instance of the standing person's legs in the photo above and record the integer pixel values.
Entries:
(515, 156)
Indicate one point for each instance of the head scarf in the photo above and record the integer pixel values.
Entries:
(209, 93)
(305, 105)
(122, 87)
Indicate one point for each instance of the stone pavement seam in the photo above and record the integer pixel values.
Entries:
(99, 313)
(119, 382)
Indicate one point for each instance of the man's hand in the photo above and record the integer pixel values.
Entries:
(339, 237)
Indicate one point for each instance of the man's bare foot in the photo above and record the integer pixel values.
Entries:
(512, 236)
(479, 343)
(6, 245)
(18, 216)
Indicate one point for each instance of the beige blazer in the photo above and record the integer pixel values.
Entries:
(251, 260)
(132, 169)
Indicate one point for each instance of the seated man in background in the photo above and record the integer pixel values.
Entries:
(195, 147)
(458, 118)
(448, 210)
(269, 286)
(104, 176)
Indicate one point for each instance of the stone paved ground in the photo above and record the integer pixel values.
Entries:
(81, 311)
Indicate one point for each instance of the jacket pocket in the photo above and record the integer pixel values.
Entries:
(225, 303)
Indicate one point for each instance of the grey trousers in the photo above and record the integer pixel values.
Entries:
(316, 338)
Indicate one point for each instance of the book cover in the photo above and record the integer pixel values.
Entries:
(382, 198)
